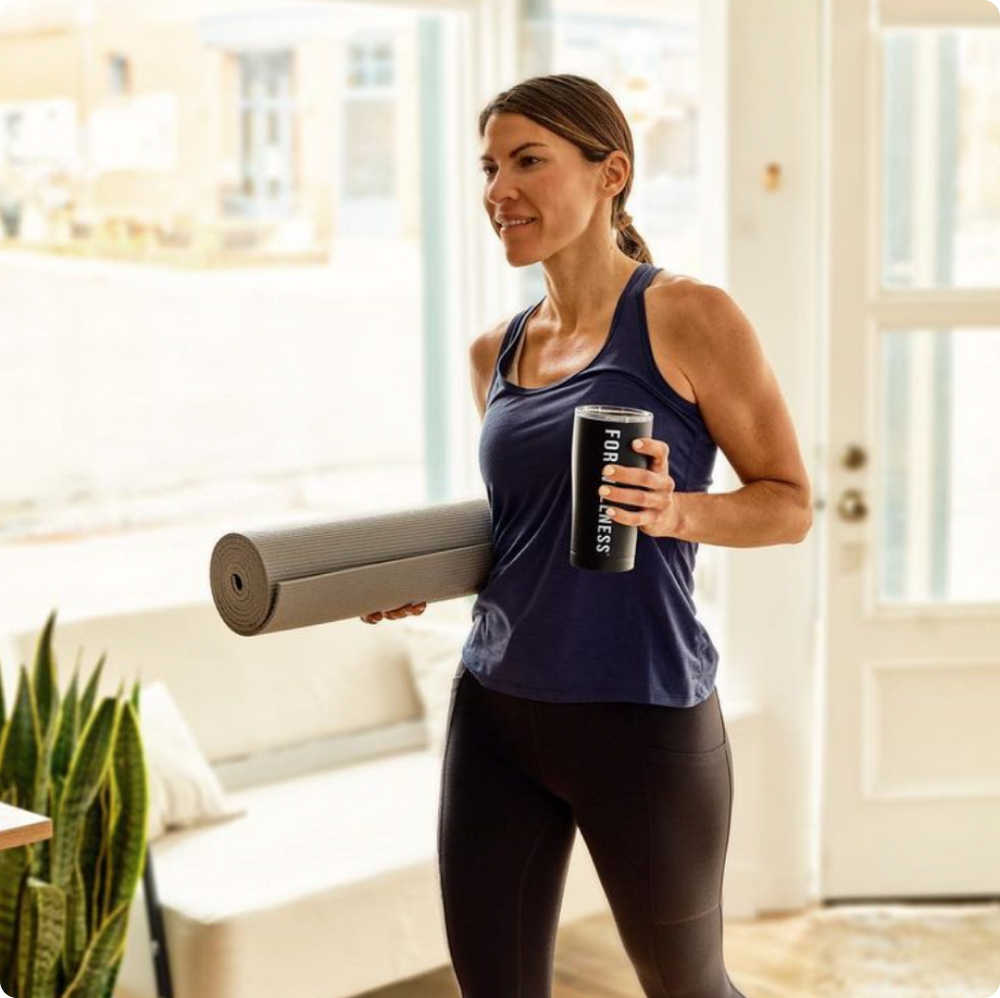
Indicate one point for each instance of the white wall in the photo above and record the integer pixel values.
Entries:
(772, 269)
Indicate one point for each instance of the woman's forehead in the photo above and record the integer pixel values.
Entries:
(510, 144)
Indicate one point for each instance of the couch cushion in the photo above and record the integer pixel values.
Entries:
(184, 791)
(240, 695)
(434, 641)
(327, 887)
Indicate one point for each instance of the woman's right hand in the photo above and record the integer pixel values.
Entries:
(406, 610)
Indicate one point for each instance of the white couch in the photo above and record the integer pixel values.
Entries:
(328, 885)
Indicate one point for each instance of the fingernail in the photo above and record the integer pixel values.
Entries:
(637, 444)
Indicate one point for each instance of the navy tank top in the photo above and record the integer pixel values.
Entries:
(542, 629)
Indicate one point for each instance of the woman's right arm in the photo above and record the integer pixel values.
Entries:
(483, 353)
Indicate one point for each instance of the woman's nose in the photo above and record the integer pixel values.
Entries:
(498, 190)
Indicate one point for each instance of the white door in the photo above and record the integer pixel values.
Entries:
(911, 761)
(267, 110)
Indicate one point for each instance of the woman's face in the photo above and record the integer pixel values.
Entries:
(530, 172)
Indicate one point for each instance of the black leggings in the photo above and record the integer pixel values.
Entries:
(650, 788)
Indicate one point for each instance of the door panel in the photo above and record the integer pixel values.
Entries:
(912, 635)
(938, 493)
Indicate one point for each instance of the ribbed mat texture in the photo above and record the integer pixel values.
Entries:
(276, 579)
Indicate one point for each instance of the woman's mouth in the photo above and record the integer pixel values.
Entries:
(516, 226)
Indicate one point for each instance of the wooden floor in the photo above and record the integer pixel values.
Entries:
(849, 951)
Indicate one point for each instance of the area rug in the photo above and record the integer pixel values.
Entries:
(871, 951)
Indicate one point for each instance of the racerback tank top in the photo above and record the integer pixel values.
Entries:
(542, 629)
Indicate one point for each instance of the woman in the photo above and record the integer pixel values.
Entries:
(585, 699)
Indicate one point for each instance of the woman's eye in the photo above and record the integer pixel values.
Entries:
(522, 160)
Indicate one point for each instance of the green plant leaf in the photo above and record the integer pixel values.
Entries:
(40, 938)
(99, 901)
(69, 729)
(45, 685)
(90, 691)
(130, 829)
(104, 950)
(87, 772)
(20, 748)
(41, 850)
(88, 855)
(14, 871)
(77, 931)
(44, 677)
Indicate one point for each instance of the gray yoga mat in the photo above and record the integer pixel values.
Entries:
(275, 579)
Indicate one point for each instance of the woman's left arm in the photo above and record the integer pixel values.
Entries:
(746, 415)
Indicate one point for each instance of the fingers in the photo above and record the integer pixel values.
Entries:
(658, 451)
(406, 610)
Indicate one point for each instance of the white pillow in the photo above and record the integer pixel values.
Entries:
(183, 789)
(434, 642)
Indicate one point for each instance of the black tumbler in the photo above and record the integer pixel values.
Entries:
(603, 434)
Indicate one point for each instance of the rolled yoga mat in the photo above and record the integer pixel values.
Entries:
(279, 578)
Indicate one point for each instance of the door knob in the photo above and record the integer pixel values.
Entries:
(853, 456)
(851, 505)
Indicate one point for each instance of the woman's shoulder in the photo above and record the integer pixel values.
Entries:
(483, 354)
(485, 348)
(672, 305)
(675, 303)
(666, 284)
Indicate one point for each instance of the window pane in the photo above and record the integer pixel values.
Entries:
(197, 307)
(939, 488)
(651, 66)
(941, 156)
(369, 128)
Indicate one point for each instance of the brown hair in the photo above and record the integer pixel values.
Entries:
(584, 113)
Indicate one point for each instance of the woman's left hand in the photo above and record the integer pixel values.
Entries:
(660, 515)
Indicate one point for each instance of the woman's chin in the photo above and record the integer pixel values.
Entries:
(517, 257)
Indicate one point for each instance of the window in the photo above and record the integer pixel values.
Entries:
(266, 133)
(369, 63)
(194, 319)
(119, 74)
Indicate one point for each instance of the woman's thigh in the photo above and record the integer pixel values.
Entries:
(659, 846)
(504, 843)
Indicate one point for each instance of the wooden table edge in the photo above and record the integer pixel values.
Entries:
(19, 827)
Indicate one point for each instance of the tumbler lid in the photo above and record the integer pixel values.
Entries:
(613, 413)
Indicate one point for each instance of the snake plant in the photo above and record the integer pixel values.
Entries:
(64, 901)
